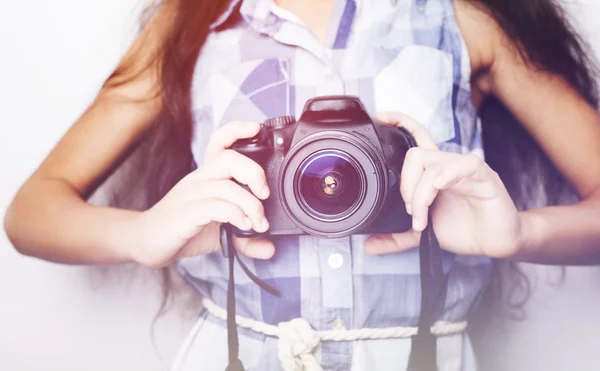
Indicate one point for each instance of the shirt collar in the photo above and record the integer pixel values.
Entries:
(252, 10)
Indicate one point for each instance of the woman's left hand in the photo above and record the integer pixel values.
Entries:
(471, 210)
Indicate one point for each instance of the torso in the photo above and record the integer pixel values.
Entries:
(406, 56)
(316, 15)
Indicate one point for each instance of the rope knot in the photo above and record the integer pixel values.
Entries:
(297, 341)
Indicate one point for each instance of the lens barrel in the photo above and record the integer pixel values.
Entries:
(330, 184)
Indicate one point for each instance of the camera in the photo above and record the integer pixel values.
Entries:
(332, 173)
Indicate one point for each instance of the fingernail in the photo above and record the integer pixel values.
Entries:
(417, 225)
(408, 209)
(264, 224)
(437, 182)
(264, 192)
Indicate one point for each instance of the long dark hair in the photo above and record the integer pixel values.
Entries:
(542, 35)
(548, 42)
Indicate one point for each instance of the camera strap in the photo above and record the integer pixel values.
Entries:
(423, 356)
(231, 254)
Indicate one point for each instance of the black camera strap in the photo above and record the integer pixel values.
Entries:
(423, 356)
(231, 254)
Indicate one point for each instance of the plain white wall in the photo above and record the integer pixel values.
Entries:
(53, 58)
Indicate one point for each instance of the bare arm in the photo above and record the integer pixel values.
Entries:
(49, 217)
(565, 126)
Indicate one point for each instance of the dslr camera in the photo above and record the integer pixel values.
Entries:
(332, 173)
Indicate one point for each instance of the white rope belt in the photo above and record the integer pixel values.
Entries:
(297, 339)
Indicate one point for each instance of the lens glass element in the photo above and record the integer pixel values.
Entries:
(329, 184)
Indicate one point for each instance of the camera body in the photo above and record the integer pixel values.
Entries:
(333, 173)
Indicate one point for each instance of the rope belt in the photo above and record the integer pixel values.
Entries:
(298, 340)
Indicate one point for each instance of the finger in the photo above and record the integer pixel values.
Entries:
(411, 172)
(423, 197)
(466, 166)
(202, 243)
(391, 243)
(228, 190)
(415, 162)
(257, 248)
(418, 131)
(228, 134)
(208, 210)
(231, 164)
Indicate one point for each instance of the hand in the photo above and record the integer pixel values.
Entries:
(186, 221)
(471, 210)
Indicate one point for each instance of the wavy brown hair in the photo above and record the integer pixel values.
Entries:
(542, 35)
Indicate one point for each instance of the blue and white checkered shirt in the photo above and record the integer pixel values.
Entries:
(396, 55)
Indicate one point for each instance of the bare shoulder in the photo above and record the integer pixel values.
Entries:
(541, 101)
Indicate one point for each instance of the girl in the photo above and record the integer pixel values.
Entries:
(202, 74)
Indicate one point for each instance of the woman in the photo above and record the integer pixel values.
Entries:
(426, 65)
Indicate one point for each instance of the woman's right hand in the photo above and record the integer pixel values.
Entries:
(186, 221)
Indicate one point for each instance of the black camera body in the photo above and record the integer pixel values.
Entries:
(333, 173)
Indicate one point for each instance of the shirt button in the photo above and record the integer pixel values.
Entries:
(338, 324)
(335, 261)
(329, 74)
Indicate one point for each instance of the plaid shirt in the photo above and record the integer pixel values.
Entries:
(396, 55)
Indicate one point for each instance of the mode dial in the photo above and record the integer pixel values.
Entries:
(278, 122)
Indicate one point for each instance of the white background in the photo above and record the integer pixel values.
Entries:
(54, 55)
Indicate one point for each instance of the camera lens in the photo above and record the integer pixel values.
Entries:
(329, 184)
(332, 184)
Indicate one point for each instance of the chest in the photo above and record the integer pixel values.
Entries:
(394, 58)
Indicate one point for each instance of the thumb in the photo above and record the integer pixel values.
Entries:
(257, 248)
(379, 244)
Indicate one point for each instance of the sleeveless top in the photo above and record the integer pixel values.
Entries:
(396, 55)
